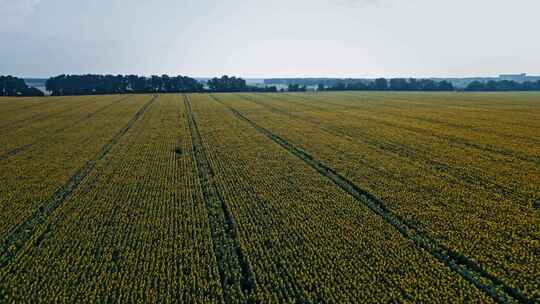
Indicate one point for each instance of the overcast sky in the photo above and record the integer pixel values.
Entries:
(340, 38)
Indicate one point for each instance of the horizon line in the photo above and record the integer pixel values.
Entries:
(285, 77)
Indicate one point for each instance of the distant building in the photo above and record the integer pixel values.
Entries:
(514, 77)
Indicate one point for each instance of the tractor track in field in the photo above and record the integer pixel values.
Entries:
(433, 120)
(20, 235)
(227, 248)
(21, 148)
(396, 99)
(441, 169)
(453, 140)
(354, 99)
(462, 265)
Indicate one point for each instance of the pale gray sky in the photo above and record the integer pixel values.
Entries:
(342, 38)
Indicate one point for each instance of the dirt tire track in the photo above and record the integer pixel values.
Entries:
(227, 246)
(440, 168)
(454, 140)
(462, 265)
(20, 235)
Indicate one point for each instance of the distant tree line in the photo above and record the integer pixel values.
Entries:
(394, 84)
(235, 84)
(503, 85)
(13, 86)
(120, 84)
(227, 84)
(296, 88)
(404, 84)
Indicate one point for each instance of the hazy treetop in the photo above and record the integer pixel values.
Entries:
(362, 38)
